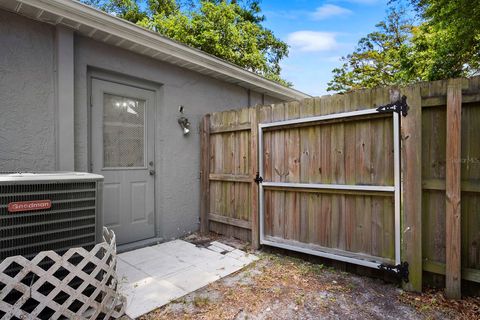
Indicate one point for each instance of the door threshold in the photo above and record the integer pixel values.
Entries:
(139, 244)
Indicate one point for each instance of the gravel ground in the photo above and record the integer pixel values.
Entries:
(282, 287)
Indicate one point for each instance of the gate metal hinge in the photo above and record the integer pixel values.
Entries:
(258, 179)
(400, 270)
(400, 106)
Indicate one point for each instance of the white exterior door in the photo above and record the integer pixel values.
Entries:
(123, 129)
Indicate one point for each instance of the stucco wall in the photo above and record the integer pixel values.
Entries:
(27, 121)
(177, 156)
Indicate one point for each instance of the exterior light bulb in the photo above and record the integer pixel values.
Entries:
(184, 124)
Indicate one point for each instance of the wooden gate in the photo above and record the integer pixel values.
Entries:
(440, 178)
(330, 186)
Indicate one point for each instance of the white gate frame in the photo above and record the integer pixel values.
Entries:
(395, 188)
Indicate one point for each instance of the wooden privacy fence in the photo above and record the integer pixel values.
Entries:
(439, 205)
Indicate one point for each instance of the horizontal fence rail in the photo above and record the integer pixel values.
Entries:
(319, 186)
(343, 115)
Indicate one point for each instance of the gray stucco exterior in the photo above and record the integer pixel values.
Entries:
(27, 92)
(177, 156)
(29, 123)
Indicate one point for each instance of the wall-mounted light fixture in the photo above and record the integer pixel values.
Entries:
(183, 122)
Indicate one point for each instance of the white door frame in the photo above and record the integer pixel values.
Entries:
(135, 85)
(395, 189)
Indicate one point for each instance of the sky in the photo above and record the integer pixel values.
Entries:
(319, 33)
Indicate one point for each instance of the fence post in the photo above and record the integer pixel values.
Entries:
(205, 173)
(452, 193)
(254, 113)
(411, 204)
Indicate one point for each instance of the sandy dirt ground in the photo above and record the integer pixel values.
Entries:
(283, 287)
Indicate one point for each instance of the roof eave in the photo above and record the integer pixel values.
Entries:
(87, 18)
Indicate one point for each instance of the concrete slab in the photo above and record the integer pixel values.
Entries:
(236, 254)
(242, 256)
(192, 278)
(165, 266)
(128, 274)
(216, 249)
(220, 266)
(153, 276)
(149, 294)
(139, 255)
(222, 246)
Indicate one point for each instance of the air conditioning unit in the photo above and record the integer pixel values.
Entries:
(49, 211)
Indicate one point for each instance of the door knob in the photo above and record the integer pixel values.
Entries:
(152, 172)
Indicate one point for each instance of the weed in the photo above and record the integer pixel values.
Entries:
(276, 291)
(351, 286)
(201, 302)
(300, 299)
(307, 268)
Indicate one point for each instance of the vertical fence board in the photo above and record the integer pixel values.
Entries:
(314, 200)
(266, 117)
(337, 157)
(453, 225)
(292, 169)
(204, 174)
(350, 139)
(324, 202)
(308, 171)
(363, 175)
(278, 172)
(254, 119)
(411, 133)
(241, 153)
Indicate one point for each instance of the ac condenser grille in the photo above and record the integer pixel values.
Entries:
(70, 222)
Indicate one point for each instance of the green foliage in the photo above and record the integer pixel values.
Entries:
(450, 36)
(230, 30)
(166, 7)
(444, 44)
(378, 58)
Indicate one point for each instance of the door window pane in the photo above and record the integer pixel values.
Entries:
(123, 132)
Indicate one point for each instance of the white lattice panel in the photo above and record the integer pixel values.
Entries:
(79, 284)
